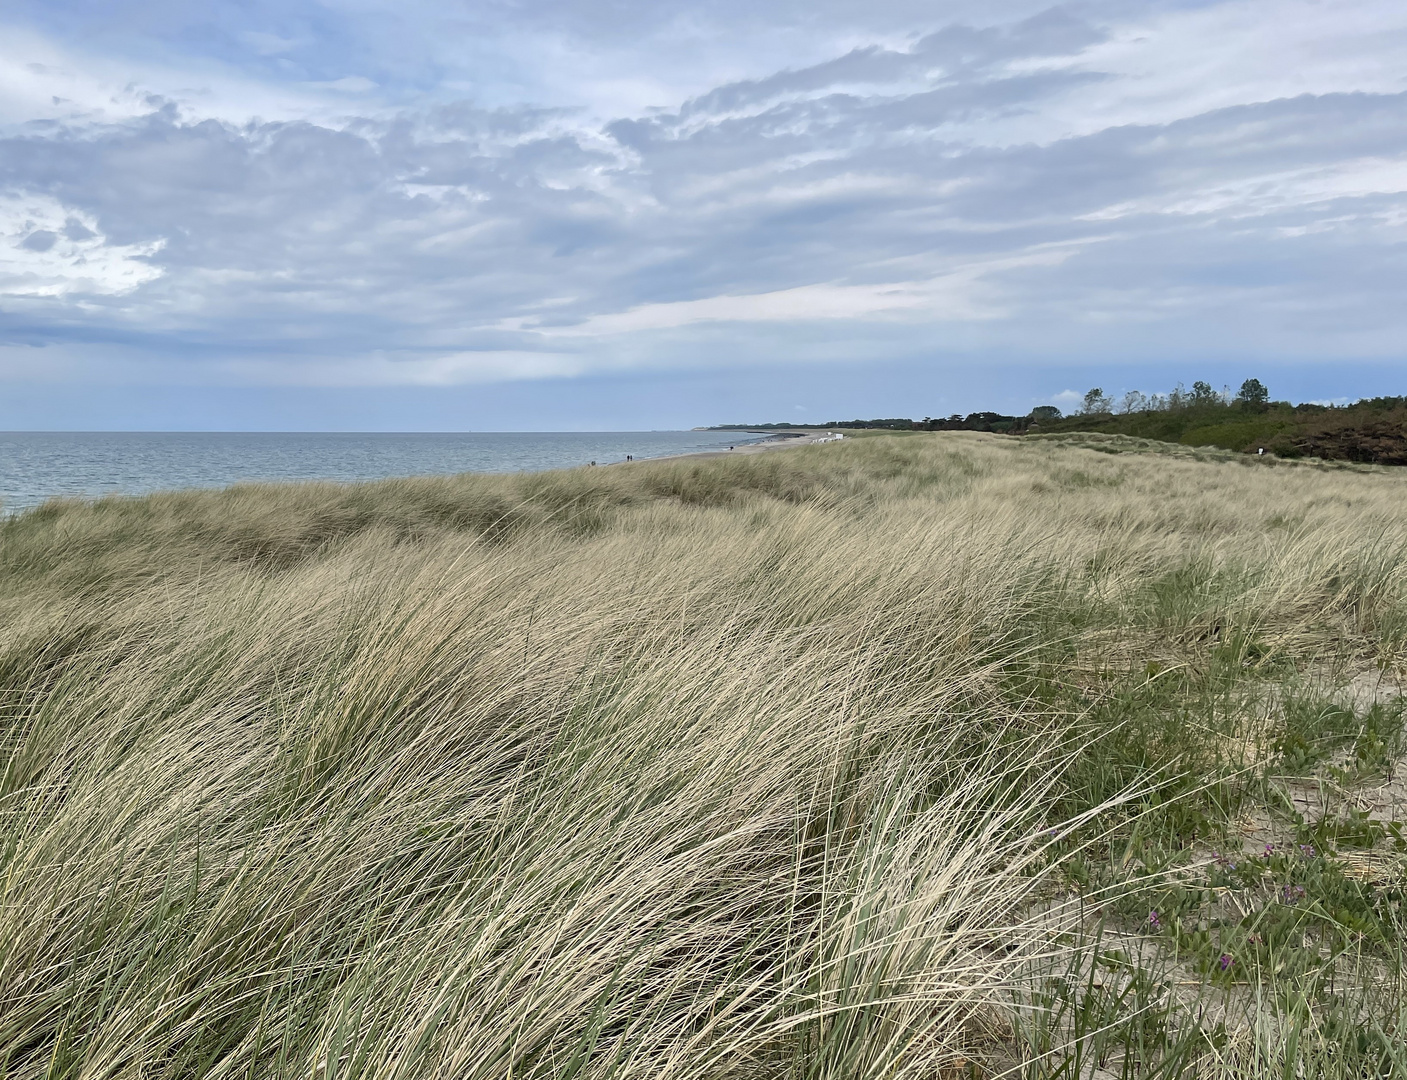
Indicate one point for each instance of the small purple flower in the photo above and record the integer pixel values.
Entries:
(1307, 850)
(1153, 920)
(1292, 893)
(1269, 850)
(1226, 961)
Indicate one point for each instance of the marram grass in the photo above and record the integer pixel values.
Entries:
(862, 760)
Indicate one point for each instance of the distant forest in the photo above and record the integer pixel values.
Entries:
(1372, 430)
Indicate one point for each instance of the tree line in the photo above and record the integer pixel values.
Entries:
(1371, 430)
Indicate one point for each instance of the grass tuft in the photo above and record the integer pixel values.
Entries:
(940, 756)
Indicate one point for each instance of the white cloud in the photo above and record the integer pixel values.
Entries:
(351, 84)
(48, 249)
(40, 80)
(387, 368)
(1158, 66)
(1272, 191)
(266, 44)
(958, 295)
(47, 79)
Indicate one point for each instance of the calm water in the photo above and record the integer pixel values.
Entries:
(36, 465)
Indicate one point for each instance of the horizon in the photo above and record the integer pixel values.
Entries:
(534, 217)
(1070, 398)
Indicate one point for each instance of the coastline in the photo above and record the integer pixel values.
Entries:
(38, 466)
(773, 441)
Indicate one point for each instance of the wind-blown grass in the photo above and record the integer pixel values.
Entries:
(735, 768)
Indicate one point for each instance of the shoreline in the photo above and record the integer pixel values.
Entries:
(773, 441)
(37, 467)
(24, 501)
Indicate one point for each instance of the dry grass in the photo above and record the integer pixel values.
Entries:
(736, 768)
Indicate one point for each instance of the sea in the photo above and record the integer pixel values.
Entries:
(39, 465)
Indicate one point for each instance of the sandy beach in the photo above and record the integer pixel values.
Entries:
(781, 440)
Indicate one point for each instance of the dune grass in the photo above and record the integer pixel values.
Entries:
(939, 756)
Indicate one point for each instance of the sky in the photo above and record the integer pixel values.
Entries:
(634, 214)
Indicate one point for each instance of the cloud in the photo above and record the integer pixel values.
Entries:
(974, 55)
(385, 368)
(265, 43)
(348, 84)
(1099, 181)
(963, 294)
(50, 250)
